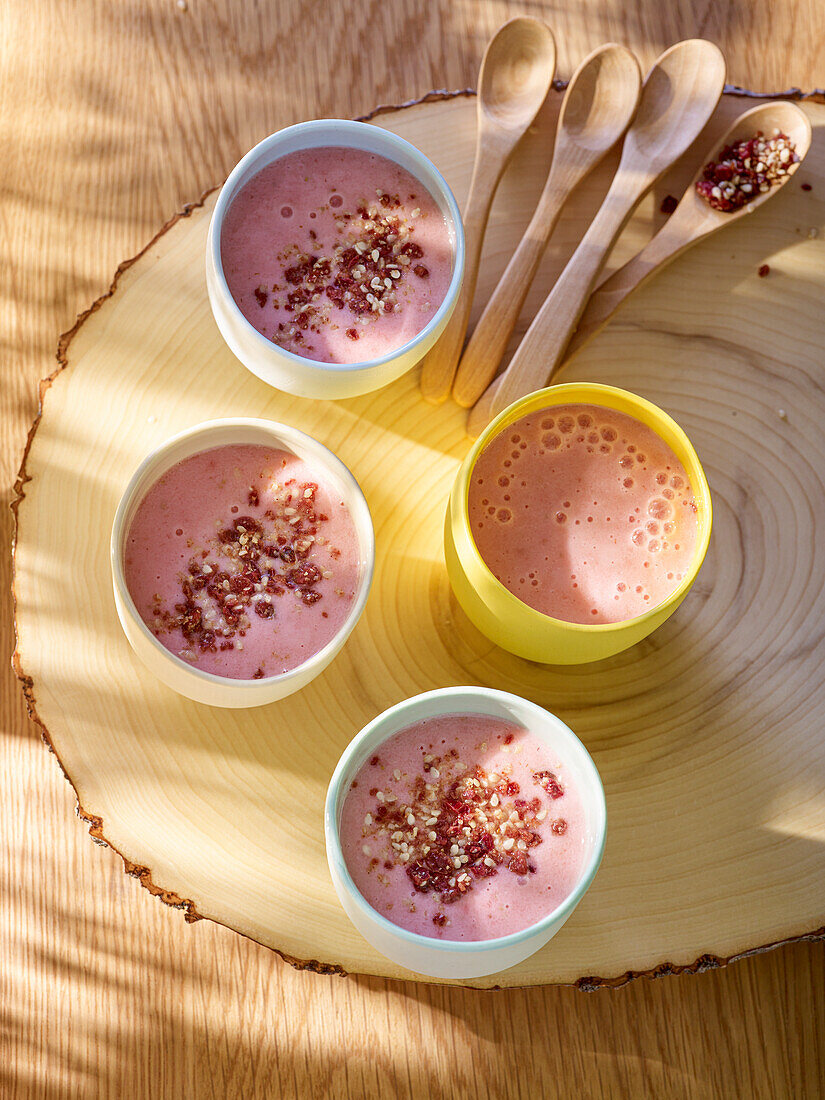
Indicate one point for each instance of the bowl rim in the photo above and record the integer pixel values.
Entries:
(465, 694)
(283, 435)
(352, 128)
(585, 393)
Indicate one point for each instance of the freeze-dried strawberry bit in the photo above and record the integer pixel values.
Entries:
(559, 826)
(250, 560)
(549, 784)
(363, 272)
(453, 825)
(745, 170)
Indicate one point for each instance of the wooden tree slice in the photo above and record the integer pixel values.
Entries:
(708, 735)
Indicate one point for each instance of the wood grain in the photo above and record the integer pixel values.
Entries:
(103, 991)
(219, 808)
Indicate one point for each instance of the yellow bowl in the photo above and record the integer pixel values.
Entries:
(503, 617)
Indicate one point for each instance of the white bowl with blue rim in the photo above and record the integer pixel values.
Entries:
(443, 958)
(277, 366)
(172, 670)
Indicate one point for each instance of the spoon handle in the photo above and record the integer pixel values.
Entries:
(671, 240)
(489, 339)
(439, 366)
(544, 343)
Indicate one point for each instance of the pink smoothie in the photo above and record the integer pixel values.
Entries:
(243, 560)
(464, 827)
(583, 513)
(336, 254)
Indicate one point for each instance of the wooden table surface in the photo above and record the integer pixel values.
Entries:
(113, 115)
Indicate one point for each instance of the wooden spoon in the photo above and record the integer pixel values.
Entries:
(600, 101)
(693, 219)
(516, 73)
(679, 95)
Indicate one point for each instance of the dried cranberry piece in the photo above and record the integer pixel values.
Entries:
(303, 576)
(419, 876)
(264, 610)
(241, 585)
(421, 271)
(309, 596)
(250, 525)
(439, 919)
(559, 827)
(261, 296)
(413, 250)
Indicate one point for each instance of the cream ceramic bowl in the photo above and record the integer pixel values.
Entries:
(454, 958)
(293, 373)
(205, 687)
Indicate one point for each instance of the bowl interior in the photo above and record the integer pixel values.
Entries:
(610, 397)
(219, 433)
(497, 704)
(348, 134)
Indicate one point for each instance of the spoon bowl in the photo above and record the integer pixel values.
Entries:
(693, 219)
(512, 82)
(601, 100)
(681, 91)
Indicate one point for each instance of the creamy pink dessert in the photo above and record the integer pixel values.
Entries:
(243, 560)
(464, 827)
(336, 254)
(584, 514)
